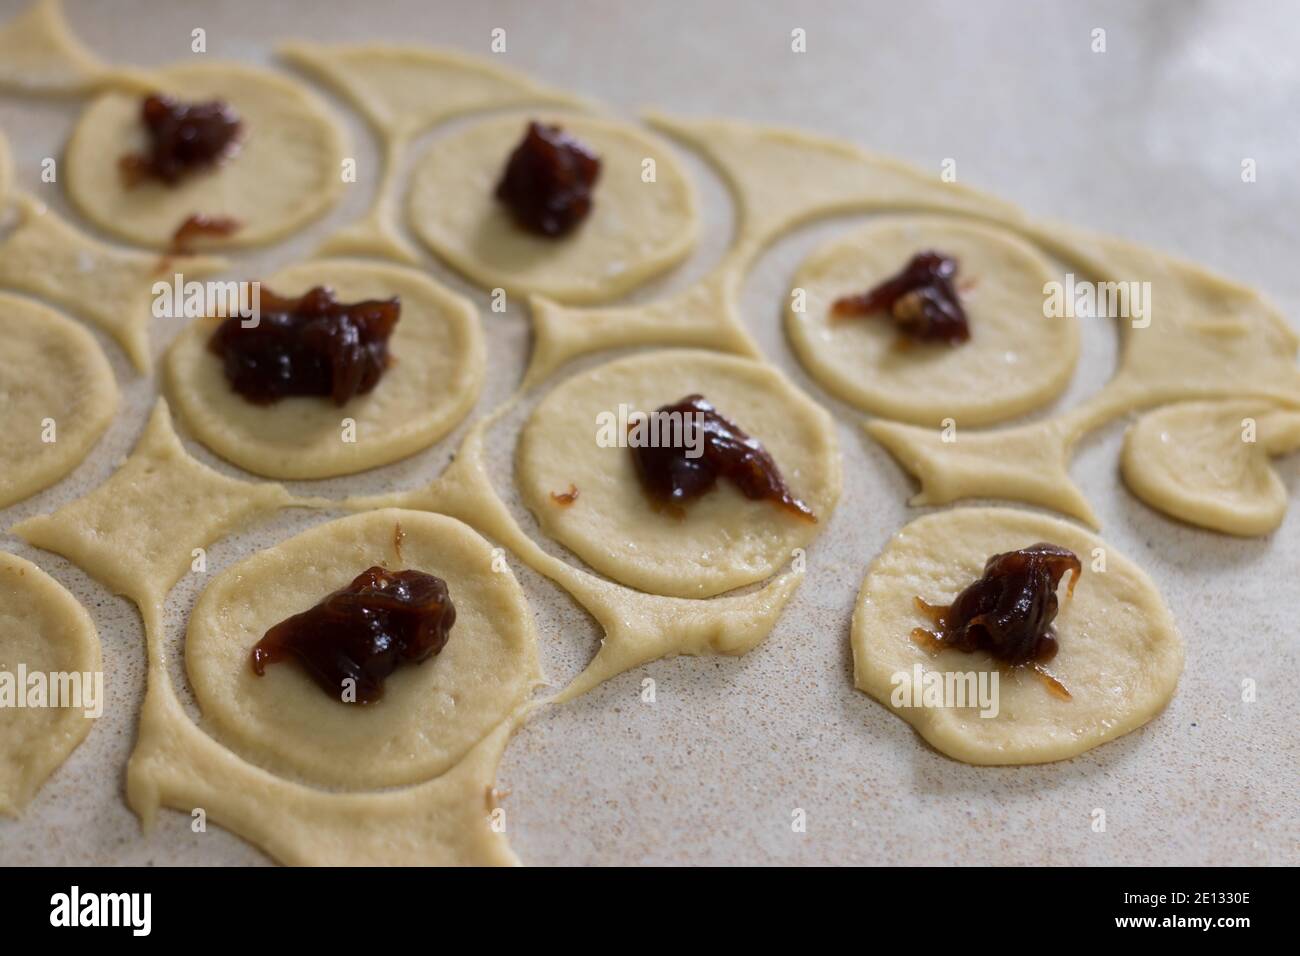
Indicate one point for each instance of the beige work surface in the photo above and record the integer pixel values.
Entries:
(1145, 140)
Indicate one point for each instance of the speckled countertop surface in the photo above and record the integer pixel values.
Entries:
(1145, 140)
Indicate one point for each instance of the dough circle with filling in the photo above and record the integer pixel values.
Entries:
(722, 540)
(43, 628)
(285, 172)
(1120, 654)
(1016, 360)
(432, 383)
(430, 713)
(57, 396)
(635, 230)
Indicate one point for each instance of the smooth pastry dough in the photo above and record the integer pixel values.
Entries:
(1208, 464)
(430, 715)
(1016, 360)
(44, 629)
(724, 540)
(286, 171)
(636, 229)
(1120, 654)
(57, 396)
(432, 384)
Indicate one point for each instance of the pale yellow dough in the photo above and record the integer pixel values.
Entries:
(724, 540)
(430, 714)
(1207, 463)
(1016, 360)
(1120, 654)
(636, 229)
(433, 382)
(44, 628)
(57, 396)
(286, 172)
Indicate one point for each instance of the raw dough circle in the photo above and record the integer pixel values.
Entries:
(1016, 359)
(53, 375)
(1120, 654)
(430, 715)
(43, 628)
(1191, 461)
(432, 384)
(725, 540)
(284, 174)
(635, 230)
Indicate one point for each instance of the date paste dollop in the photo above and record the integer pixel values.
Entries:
(310, 345)
(548, 180)
(922, 301)
(1009, 611)
(363, 632)
(183, 138)
(704, 447)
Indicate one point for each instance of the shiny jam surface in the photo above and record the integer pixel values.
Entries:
(1008, 611)
(922, 301)
(363, 632)
(548, 181)
(671, 475)
(183, 138)
(310, 345)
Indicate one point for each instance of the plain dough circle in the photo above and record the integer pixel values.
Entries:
(725, 540)
(1120, 654)
(432, 384)
(50, 369)
(285, 173)
(1190, 461)
(44, 628)
(635, 230)
(1016, 360)
(431, 713)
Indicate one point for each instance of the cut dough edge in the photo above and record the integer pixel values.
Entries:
(99, 398)
(32, 761)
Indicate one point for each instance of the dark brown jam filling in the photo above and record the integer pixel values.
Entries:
(184, 138)
(312, 345)
(548, 180)
(922, 301)
(670, 477)
(363, 632)
(199, 226)
(1009, 611)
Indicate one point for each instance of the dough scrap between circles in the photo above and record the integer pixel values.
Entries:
(285, 172)
(137, 532)
(430, 715)
(438, 365)
(1193, 461)
(1016, 360)
(57, 396)
(635, 230)
(1120, 654)
(724, 541)
(43, 628)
